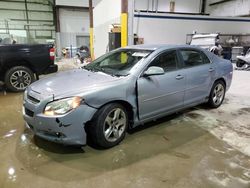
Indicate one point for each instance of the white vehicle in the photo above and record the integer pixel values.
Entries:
(243, 62)
(208, 42)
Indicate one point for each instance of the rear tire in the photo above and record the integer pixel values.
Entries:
(109, 125)
(18, 78)
(217, 94)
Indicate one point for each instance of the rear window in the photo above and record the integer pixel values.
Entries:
(193, 58)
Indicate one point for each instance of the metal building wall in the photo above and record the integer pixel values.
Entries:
(188, 6)
(228, 8)
(76, 3)
(27, 21)
(74, 27)
(102, 22)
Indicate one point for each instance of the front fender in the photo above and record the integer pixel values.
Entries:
(124, 91)
(123, 94)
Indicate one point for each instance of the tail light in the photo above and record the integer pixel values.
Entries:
(52, 54)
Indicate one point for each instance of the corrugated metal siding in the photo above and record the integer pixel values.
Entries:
(38, 28)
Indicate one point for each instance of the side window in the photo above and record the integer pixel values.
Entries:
(205, 58)
(193, 58)
(167, 60)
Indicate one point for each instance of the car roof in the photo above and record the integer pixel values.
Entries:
(158, 46)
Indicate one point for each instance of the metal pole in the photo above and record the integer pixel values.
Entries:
(27, 19)
(71, 53)
(7, 27)
(203, 6)
(58, 29)
(156, 6)
(148, 6)
(56, 17)
(131, 9)
(124, 23)
(91, 30)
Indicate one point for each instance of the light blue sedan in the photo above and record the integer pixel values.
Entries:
(123, 89)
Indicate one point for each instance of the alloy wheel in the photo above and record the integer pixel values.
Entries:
(218, 94)
(20, 79)
(114, 125)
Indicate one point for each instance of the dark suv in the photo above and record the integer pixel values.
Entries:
(21, 64)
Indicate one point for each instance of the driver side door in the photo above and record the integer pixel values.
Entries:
(160, 94)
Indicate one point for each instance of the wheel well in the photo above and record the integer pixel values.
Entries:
(221, 79)
(15, 64)
(127, 106)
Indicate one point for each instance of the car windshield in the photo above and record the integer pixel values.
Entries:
(119, 62)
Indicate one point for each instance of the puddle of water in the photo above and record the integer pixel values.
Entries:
(171, 151)
(244, 111)
(137, 146)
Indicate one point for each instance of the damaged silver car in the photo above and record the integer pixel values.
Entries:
(123, 89)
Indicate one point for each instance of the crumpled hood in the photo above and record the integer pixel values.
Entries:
(72, 82)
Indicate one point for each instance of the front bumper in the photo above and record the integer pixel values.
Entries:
(68, 129)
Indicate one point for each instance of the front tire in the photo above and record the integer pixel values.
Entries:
(217, 94)
(18, 78)
(109, 125)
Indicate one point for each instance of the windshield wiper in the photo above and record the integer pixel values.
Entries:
(118, 75)
(93, 69)
(101, 69)
(88, 68)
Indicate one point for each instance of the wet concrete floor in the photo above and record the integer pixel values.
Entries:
(181, 150)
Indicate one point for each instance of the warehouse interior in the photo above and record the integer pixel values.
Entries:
(193, 147)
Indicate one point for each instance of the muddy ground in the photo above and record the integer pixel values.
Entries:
(198, 147)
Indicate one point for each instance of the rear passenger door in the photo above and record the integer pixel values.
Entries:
(199, 75)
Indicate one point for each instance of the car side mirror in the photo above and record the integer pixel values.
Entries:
(154, 70)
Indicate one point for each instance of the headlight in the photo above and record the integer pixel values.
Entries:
(62, 106)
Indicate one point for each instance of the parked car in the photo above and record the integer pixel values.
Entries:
(209, 42)
(206, 41)
(123, 89)
(243, 61)
(21, 64)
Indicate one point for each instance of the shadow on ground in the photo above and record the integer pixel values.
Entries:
(151, 139)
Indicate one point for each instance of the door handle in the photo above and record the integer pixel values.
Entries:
(211, 69)
(179, 77)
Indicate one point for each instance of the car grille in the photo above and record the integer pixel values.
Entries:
(33, 100)
(29, 112)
